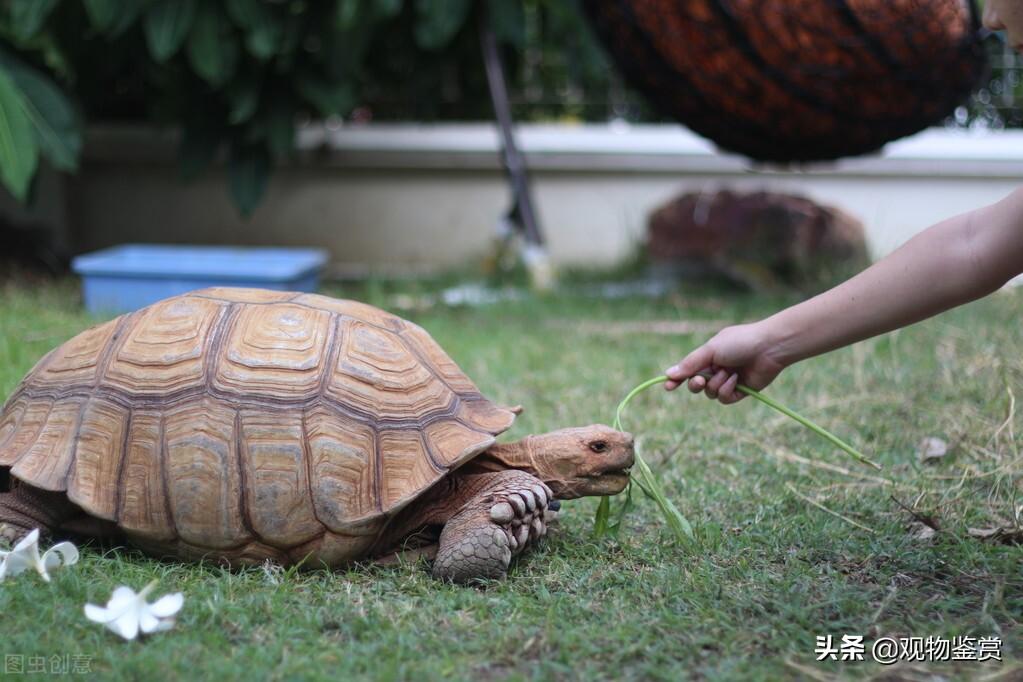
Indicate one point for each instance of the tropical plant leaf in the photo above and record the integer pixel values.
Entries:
(248, 172)
(244, 101)
(113, 17)
(212, 46)
(19, 154)
(55, 124)
(348, 13)
(166, 26)
(28, 16)
(280, 128)
(263, 42)
(387, 8)
(439, 21)
(262, 31)
(246, 14)
(102, 13)
(508, 21)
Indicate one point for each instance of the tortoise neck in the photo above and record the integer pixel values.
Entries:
(520, 455)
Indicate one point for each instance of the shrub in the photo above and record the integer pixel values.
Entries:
(236, 75)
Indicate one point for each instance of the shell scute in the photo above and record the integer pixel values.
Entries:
(441, 363)
(163, 349)
(342, 467)
(45, 463)
(201, 466)
(354, 309)
(143, 506)
(276, 479)
(77, 361)
(377, 375)
(452, 443)
(275, 351)
(93, 481)
(408, 468)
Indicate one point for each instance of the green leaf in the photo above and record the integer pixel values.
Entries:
(102, 13)
(113, 17)
(600, 520)
(387, 8)
(19, 154)
(508, 21)
(248, 173)
(330, 99)
(348, 13)
(28, 16)
(212, 46)
(55, 124)
(263, 31)
(263, 42)
(246, 14)
(166, 25)
(244, 100)
(280, 129)
(439, 21)
(615, 528)
(680, 526)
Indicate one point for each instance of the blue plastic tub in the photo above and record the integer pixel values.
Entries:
(132, 276)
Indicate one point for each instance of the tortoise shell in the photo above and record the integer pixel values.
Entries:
(247, 424)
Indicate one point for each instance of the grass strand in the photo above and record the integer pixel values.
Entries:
(648, 483)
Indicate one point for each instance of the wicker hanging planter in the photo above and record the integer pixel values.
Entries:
(797, 80)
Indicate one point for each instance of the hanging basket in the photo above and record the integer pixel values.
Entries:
(797, 80)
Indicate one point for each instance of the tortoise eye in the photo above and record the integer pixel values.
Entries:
(598, 446)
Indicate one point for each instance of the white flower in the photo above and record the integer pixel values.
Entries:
(127, 613)
(25, 555)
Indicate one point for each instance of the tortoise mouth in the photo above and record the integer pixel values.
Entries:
(608, 482)
(611, 473)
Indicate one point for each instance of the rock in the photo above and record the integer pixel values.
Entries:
(761, 240)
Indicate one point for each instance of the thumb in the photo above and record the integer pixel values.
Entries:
(691, 364)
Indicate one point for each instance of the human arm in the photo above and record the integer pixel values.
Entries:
(951, 263)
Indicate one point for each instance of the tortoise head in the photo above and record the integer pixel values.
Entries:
(581, 461)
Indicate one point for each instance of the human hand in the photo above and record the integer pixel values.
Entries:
(739, 354)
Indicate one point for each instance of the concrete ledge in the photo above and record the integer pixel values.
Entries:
(422, 197)
(588, 148)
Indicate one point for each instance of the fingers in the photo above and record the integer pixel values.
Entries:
(722, 386)
(690, 364)
(715, 384)
(727, 394)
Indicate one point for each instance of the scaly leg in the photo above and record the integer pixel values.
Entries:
(25, 508)
(499, 521)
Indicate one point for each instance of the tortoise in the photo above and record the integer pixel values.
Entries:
(245, 425)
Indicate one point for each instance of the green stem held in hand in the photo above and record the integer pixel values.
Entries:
(646, 481)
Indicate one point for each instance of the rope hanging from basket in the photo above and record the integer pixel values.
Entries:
(797, 80)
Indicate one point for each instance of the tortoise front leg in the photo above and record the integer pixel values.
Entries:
(506, 514)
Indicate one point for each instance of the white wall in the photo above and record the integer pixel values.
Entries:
(398, 197)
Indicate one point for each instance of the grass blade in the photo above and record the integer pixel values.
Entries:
(648, 484)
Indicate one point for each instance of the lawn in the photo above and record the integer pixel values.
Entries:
(794, 539)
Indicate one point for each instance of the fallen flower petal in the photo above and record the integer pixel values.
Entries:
(128, 613)
(25, 555)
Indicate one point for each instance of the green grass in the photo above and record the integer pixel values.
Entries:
(767, 573)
